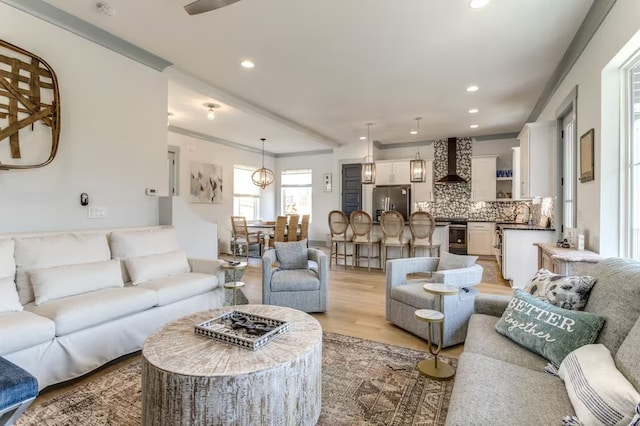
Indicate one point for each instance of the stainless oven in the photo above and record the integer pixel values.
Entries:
(457, 234)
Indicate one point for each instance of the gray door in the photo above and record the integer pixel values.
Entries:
(351, 188)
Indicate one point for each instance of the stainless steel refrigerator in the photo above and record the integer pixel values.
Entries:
(392, 197)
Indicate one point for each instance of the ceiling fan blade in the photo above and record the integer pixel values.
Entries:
(201, 6)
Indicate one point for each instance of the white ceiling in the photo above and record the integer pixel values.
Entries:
(326, 67)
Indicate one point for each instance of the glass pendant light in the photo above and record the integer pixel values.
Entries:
(417, 166)
(368, 166)
(262, 177)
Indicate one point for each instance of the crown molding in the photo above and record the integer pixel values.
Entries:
(220, 141)
(596, 15)
(77, 26)
(305, 153)
(497, 136)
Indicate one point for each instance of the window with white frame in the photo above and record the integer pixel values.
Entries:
(295, 192)
(632, 164)
(246, 196)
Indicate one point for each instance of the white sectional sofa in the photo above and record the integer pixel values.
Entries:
(82, 299)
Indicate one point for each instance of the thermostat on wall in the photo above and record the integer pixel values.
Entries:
(151, 191)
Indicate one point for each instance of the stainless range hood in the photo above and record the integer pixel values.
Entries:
(452, 176)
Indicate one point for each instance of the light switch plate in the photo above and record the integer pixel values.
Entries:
(97, 212)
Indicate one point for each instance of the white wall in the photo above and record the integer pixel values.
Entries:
(192, 149)
(598, 199)
(499, 147)
(322, 202)
(113, 136)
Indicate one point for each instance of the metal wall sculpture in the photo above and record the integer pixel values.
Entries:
(28, 94)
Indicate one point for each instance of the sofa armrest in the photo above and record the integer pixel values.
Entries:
(323, 267)
(268, 259)
(491, 304)
(208, 266)
(462, 277)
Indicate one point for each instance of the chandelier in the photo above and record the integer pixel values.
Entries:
(262, 177)
(417, 166)
(368, 166)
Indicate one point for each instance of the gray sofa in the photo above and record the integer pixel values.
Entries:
(500, 383)
(405, 296)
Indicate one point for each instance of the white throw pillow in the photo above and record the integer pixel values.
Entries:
(143, 242)
(145, 268)
(70, 280)
(599, 393)
(9, 301)
(7, 261)
(455, 261)
(55, 250)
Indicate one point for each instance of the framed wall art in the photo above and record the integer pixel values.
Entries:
(586, 157)
(206, 183)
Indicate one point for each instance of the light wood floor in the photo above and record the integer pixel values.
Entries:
(356, 308)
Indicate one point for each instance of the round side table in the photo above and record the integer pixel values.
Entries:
(431, 367)
(234, 285)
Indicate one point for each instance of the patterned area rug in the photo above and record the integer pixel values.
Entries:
(489, 271)
(364, 383)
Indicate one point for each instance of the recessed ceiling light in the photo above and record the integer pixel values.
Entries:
(474, 126)
(473, 88)
(363, 138)
(247, 64)
(477, 4)
(473, 110)
(414, 132)
(105, 9)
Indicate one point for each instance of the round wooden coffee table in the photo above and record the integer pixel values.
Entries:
(188, 379)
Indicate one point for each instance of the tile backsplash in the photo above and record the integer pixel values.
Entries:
(454, 200)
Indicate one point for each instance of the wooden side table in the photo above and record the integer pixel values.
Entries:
(431, 367)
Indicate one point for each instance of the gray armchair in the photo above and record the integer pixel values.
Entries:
(404, 297)
(302, 289)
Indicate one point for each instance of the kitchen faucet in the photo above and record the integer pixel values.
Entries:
(515, 210)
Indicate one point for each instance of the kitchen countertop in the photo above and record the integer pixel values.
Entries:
(522, 227)
(406, 223)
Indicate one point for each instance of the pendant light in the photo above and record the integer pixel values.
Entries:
(262, 177)
(368, 166)
(417, 167)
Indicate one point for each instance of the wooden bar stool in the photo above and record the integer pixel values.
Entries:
(422, 225)
(392, 224)
(361, 225)
(338, 226)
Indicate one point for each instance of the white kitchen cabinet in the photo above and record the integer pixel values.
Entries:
(483, 178)
(480, 238)
(515, 188)
(537, 160)
(392, 173)
(423, 191)
(520, 255)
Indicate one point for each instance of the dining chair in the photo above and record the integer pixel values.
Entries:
(242, 236)
(279, 231)
(292, 227)
(392, 224)
(338, 226)
(361, 226)
(304, 228)
(422, 225)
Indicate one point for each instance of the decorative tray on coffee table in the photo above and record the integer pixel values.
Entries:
(242, 329)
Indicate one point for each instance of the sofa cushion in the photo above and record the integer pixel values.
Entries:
(181, 286)
(20, 330)
(55, 250)
(145, 268)
(142, 242)
(455, 261)
(86, 310)
(295, 280)
(482, 338)
(628, 356)
(599, 393)
(568, 292)
(69, 280)
(546, 329)
(518, 396)
(7, 261)
(292, 255)
(615, 297)
(9, 301)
